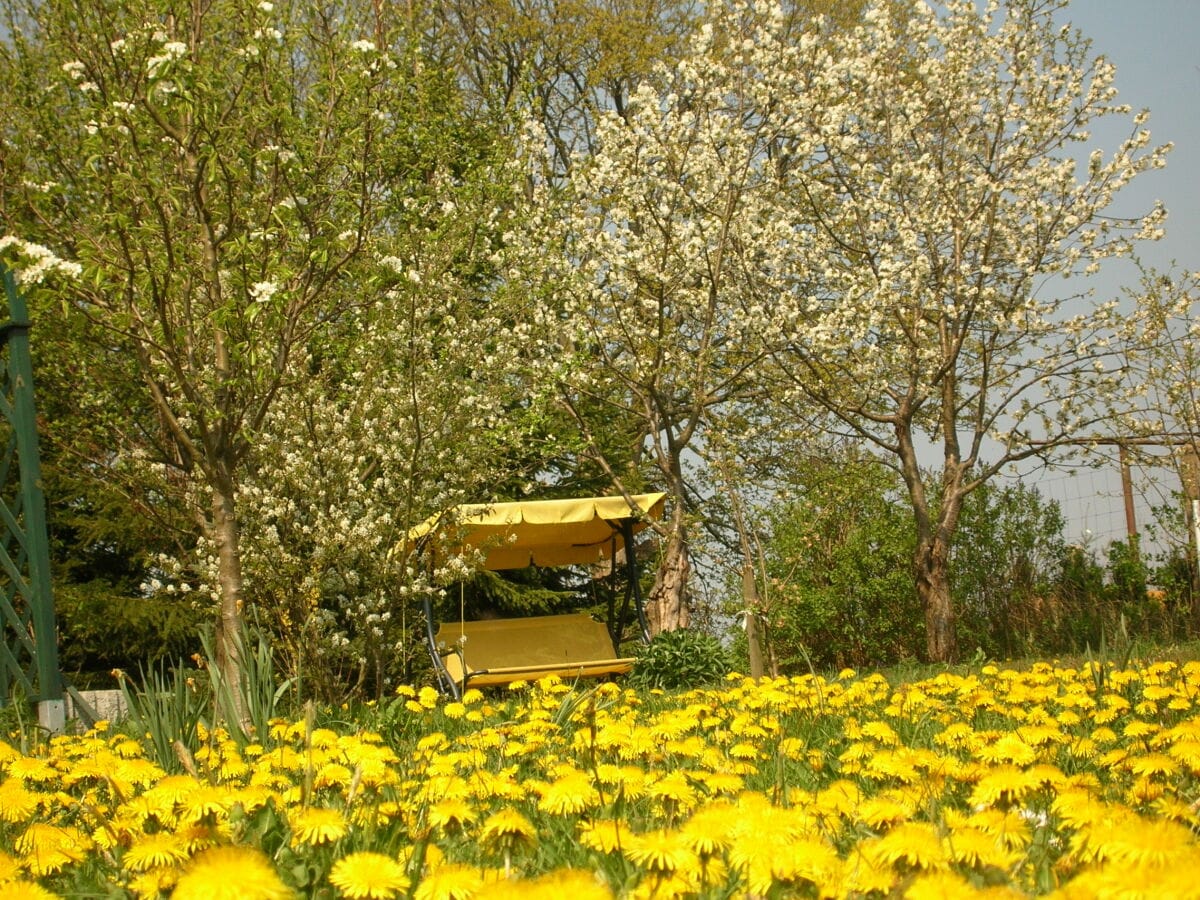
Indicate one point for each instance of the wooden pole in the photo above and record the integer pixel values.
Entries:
(1190, 479)
(1127, 491)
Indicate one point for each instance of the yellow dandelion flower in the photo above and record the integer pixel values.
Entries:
(882, 811)
(1112, 759)
(662, 851)
(862, 875)
(552, 886)
(153, 851)
(449, 882)
(1131, 840)
(944, 885)
(753, 855)
(206, 801)
(16, 803)
(858, 751)
(568, 795)
(48, 848)
(881, 732)
(841, 797)
(1083, 748)
(28, 768)
(978, 849)
(1078, 808)
(1150, 764)
(367, 875)
(673, 786)
(152, 884)
(196, 837)
(137, 771)
(1144, 791)
(9, 868)
(744, 750)
(507, 829)
(7, 754)
(1008, 826)
(1140, 729)
(169, 792)
(1187, 751)
(1177, 810)
(721, 782)
(805, 859)
(1003, 785)
(333, 774)
(1008, 749)
(898, 765)
(323, 738)
(231, 873)
(1104, 735)
(709, 831)
(451, 814)
(916, 844)
(27, 890)
(316, 825)
(604, 835)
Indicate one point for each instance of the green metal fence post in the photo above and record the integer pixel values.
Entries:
(28, 602)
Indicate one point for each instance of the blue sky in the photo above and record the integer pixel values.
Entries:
(1155, 45)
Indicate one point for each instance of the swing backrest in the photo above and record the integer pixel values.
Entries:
(500, 651)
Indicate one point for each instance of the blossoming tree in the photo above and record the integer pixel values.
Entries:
(1163, 364)
(648, 245)
(946, 201)
(648, 276)
(218, 172)
(904, 205)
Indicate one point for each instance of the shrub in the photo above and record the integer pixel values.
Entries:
(684, 658)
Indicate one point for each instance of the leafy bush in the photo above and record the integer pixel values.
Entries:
(839, 589)
(103, 629)
(683, 658)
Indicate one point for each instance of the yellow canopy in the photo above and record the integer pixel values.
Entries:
(541, 532)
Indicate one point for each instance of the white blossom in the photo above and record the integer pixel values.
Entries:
(171, 51)
(34, 263)
(263, 291)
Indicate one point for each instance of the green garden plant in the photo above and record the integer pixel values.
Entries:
(684, 658)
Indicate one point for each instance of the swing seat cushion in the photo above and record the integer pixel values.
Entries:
(500, 651)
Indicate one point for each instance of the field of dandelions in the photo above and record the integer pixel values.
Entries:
(1053, 780)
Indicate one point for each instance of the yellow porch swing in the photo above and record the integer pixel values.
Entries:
(576, 532)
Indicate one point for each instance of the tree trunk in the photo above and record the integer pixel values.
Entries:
(229, 581)
(935, 534)
(932, 567)
(751, 603)
(667, 605)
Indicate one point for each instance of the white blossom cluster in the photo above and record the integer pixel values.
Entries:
(1160, 342)
(891, 211)
(32, 263)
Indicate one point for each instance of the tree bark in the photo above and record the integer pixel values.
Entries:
(935, 530)
(229, 579)
(667, 605)
(931, 564)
